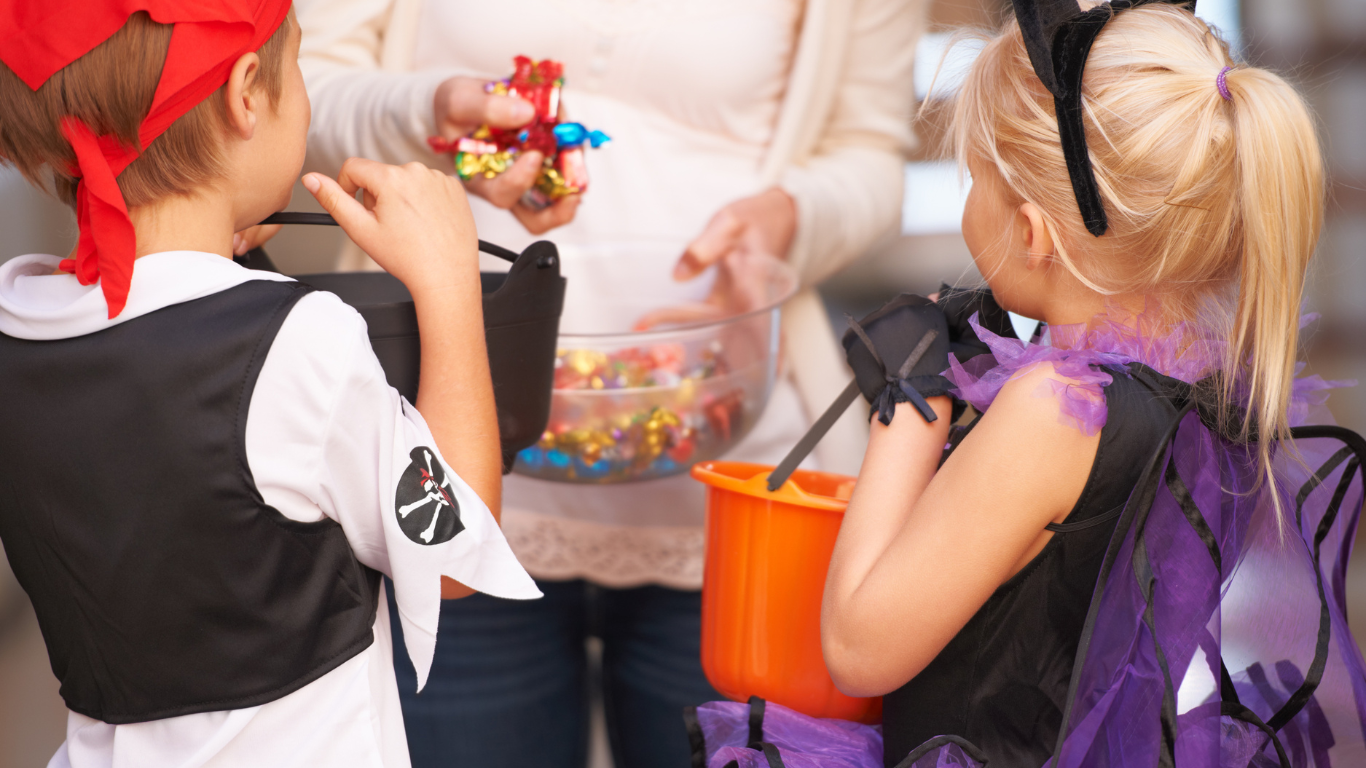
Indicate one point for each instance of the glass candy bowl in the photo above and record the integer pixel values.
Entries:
(636, 405)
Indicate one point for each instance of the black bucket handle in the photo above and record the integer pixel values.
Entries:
(325, 219)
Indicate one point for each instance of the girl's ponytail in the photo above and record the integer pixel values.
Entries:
(1280, 191)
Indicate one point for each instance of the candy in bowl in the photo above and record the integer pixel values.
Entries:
(640, 404)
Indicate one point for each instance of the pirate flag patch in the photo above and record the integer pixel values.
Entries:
(425, 500)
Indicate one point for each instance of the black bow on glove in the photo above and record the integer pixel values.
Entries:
(898, 354)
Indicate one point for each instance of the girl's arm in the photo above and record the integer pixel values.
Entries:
(920, 551)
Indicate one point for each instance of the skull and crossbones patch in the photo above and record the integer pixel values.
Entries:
(425, 503)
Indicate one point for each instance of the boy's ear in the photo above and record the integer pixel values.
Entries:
(243, 99)
(1034, 236)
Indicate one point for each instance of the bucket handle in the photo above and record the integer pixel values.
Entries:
(756, 485)
(325, 219)
(760, 485)
(832, 414)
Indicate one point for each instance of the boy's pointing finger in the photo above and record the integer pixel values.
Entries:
(354, 219)
(361, 173)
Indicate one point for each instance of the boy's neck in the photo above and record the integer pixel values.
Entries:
(200, 221)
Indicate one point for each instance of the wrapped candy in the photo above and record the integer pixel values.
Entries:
(659, 407)
(490, 151)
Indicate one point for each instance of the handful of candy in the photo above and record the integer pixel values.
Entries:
(490, 151)
(635, 413)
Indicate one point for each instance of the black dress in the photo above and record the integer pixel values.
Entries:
(1001, 682)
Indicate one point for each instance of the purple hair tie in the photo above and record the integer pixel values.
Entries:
(1222, 82)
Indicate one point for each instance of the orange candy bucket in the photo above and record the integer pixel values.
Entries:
(767, 556)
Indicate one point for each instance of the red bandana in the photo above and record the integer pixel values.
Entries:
(39, 37)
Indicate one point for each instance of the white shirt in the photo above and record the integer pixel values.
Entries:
(326, 436)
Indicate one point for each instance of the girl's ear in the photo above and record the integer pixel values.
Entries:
(243, 99)
(1034, 236)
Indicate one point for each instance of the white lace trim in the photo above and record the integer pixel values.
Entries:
(551, 547)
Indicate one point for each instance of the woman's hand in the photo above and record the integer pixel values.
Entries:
(741, 241)
(738, 241)
(763, 223)
(460, 106)
(743, 282)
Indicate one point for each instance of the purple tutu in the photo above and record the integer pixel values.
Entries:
(727, 734)
(761, 734)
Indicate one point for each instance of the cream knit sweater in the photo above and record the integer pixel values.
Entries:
(838, 148)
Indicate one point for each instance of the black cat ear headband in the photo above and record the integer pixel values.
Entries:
(1058, 37)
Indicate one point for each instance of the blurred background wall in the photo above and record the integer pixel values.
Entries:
(1321, 44)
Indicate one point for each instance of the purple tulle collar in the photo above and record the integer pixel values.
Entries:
(1080, 352)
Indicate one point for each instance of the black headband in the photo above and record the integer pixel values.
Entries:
(1058, 36)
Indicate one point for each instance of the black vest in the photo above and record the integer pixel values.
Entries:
(1002, 681)
(163, 583)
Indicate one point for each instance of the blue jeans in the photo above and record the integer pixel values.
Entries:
(510, 684)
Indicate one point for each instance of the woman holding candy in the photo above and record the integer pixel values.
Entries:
(776, 126)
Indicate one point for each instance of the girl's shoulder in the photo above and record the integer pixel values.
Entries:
(1052, 388)
(1076, 365)
(1037, 377)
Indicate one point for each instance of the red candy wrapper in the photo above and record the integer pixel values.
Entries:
(490, 151)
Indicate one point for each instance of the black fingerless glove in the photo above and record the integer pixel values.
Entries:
(878, 346)
(959, 305)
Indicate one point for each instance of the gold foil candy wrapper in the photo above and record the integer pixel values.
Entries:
(468, 164)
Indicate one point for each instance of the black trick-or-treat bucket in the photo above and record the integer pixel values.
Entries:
(521, 324)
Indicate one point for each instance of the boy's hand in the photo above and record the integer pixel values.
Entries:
(415, 221)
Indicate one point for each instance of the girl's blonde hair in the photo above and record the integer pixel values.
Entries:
(1214, 205)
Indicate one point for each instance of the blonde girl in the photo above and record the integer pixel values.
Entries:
(962, 580)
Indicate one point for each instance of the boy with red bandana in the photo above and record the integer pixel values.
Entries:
(203, 472)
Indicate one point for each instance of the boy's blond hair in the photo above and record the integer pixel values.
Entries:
(110, 89)
(1215, 205)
